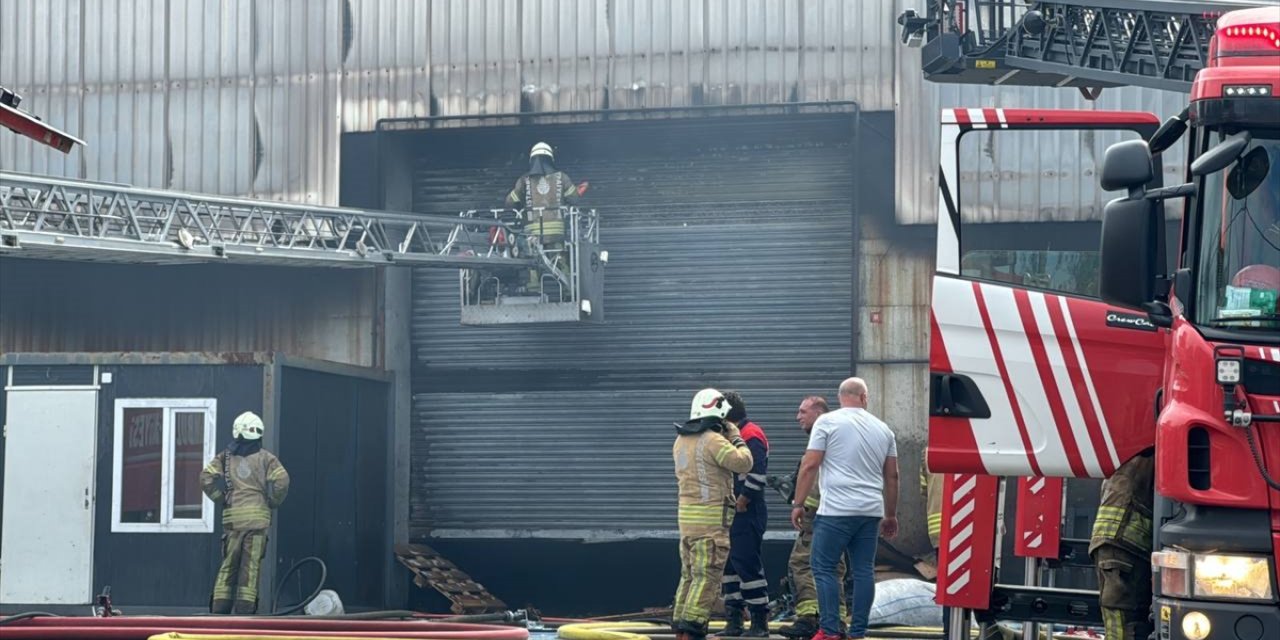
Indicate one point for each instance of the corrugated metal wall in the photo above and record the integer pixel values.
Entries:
(327, 314)
(731, 245)
(245, 97)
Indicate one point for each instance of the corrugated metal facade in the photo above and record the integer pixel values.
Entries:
(250, 98)
(51, 307)
(731, 245)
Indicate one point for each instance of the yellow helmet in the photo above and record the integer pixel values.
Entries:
(247, 426)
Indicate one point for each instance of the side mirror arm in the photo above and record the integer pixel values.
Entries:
(1168, 193)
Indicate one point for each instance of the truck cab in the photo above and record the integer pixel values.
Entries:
(1217, 533)
(1057, 356)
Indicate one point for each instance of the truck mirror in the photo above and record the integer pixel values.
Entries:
(1127, 165)
(1130, 257)
(1221, 155)
(1169, 132)
(1248, 174)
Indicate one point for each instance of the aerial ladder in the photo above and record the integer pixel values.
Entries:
(62, 219)
(1091, 45)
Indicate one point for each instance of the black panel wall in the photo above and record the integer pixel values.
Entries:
(334, 433)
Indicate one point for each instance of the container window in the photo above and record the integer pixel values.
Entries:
(161, 444)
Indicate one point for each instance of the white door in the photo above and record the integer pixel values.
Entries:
(46, 552)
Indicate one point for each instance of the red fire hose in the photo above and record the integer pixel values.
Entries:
(143, 627)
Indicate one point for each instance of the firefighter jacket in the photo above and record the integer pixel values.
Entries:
(542, 196)
(815, 496)
(751, 484)
(933, 500)
(248, 487)
(705, 465)
(1124, 517)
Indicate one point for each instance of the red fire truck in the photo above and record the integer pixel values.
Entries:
(1172, 348)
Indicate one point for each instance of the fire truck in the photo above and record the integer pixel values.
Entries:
(1173, 348)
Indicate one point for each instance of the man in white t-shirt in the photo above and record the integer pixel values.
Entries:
(858, 456)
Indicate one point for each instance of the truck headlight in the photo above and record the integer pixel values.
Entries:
(1228, 576)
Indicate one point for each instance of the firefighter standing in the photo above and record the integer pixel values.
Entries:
(806, 592)
(1121, 549)
(933, 501)
(744, 583)
(249, 482)
(542, 191)
(708, 451)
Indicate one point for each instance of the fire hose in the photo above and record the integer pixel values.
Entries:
(223, 628)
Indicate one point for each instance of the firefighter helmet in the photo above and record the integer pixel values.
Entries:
(248, 426)
(708, 403)
(541, 149)
(1258, 276)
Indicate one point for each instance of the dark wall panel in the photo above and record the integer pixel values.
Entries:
(334, 432)
(164, 569)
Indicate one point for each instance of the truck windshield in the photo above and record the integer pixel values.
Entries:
(1239, 279)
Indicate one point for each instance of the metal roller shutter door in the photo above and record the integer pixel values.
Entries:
(731, 246)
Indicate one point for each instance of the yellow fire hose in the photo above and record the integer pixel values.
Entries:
(648, 630)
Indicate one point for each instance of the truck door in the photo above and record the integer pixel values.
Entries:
(1031, 374)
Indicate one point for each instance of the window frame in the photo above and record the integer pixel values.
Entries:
(1142, 132)
(167, 524)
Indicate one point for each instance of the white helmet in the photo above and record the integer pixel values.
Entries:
(708, 403)
(248, 426)
(541, 149)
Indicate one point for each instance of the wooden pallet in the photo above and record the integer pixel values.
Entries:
(432, 570)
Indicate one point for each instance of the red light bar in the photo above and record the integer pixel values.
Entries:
(31, 127)
(1261, 34)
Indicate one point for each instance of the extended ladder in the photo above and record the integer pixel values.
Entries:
(42, 217)
(1159, 44)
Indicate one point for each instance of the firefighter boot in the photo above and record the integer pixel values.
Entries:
(759, 623)
(732, 623)
(803, 628)
(687, 630)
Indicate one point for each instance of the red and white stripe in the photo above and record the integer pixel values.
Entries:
(1022, 351)
(1269, 353)
(976, 118)
(1035, 537)
(960, 543)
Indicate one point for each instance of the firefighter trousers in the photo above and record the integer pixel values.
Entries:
(744, 584)
(1124, 593)
(702, 561)
(806, 592)
(237, 580)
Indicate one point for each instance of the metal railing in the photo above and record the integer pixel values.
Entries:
(558, 259)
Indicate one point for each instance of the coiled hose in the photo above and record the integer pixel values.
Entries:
(324, 575)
